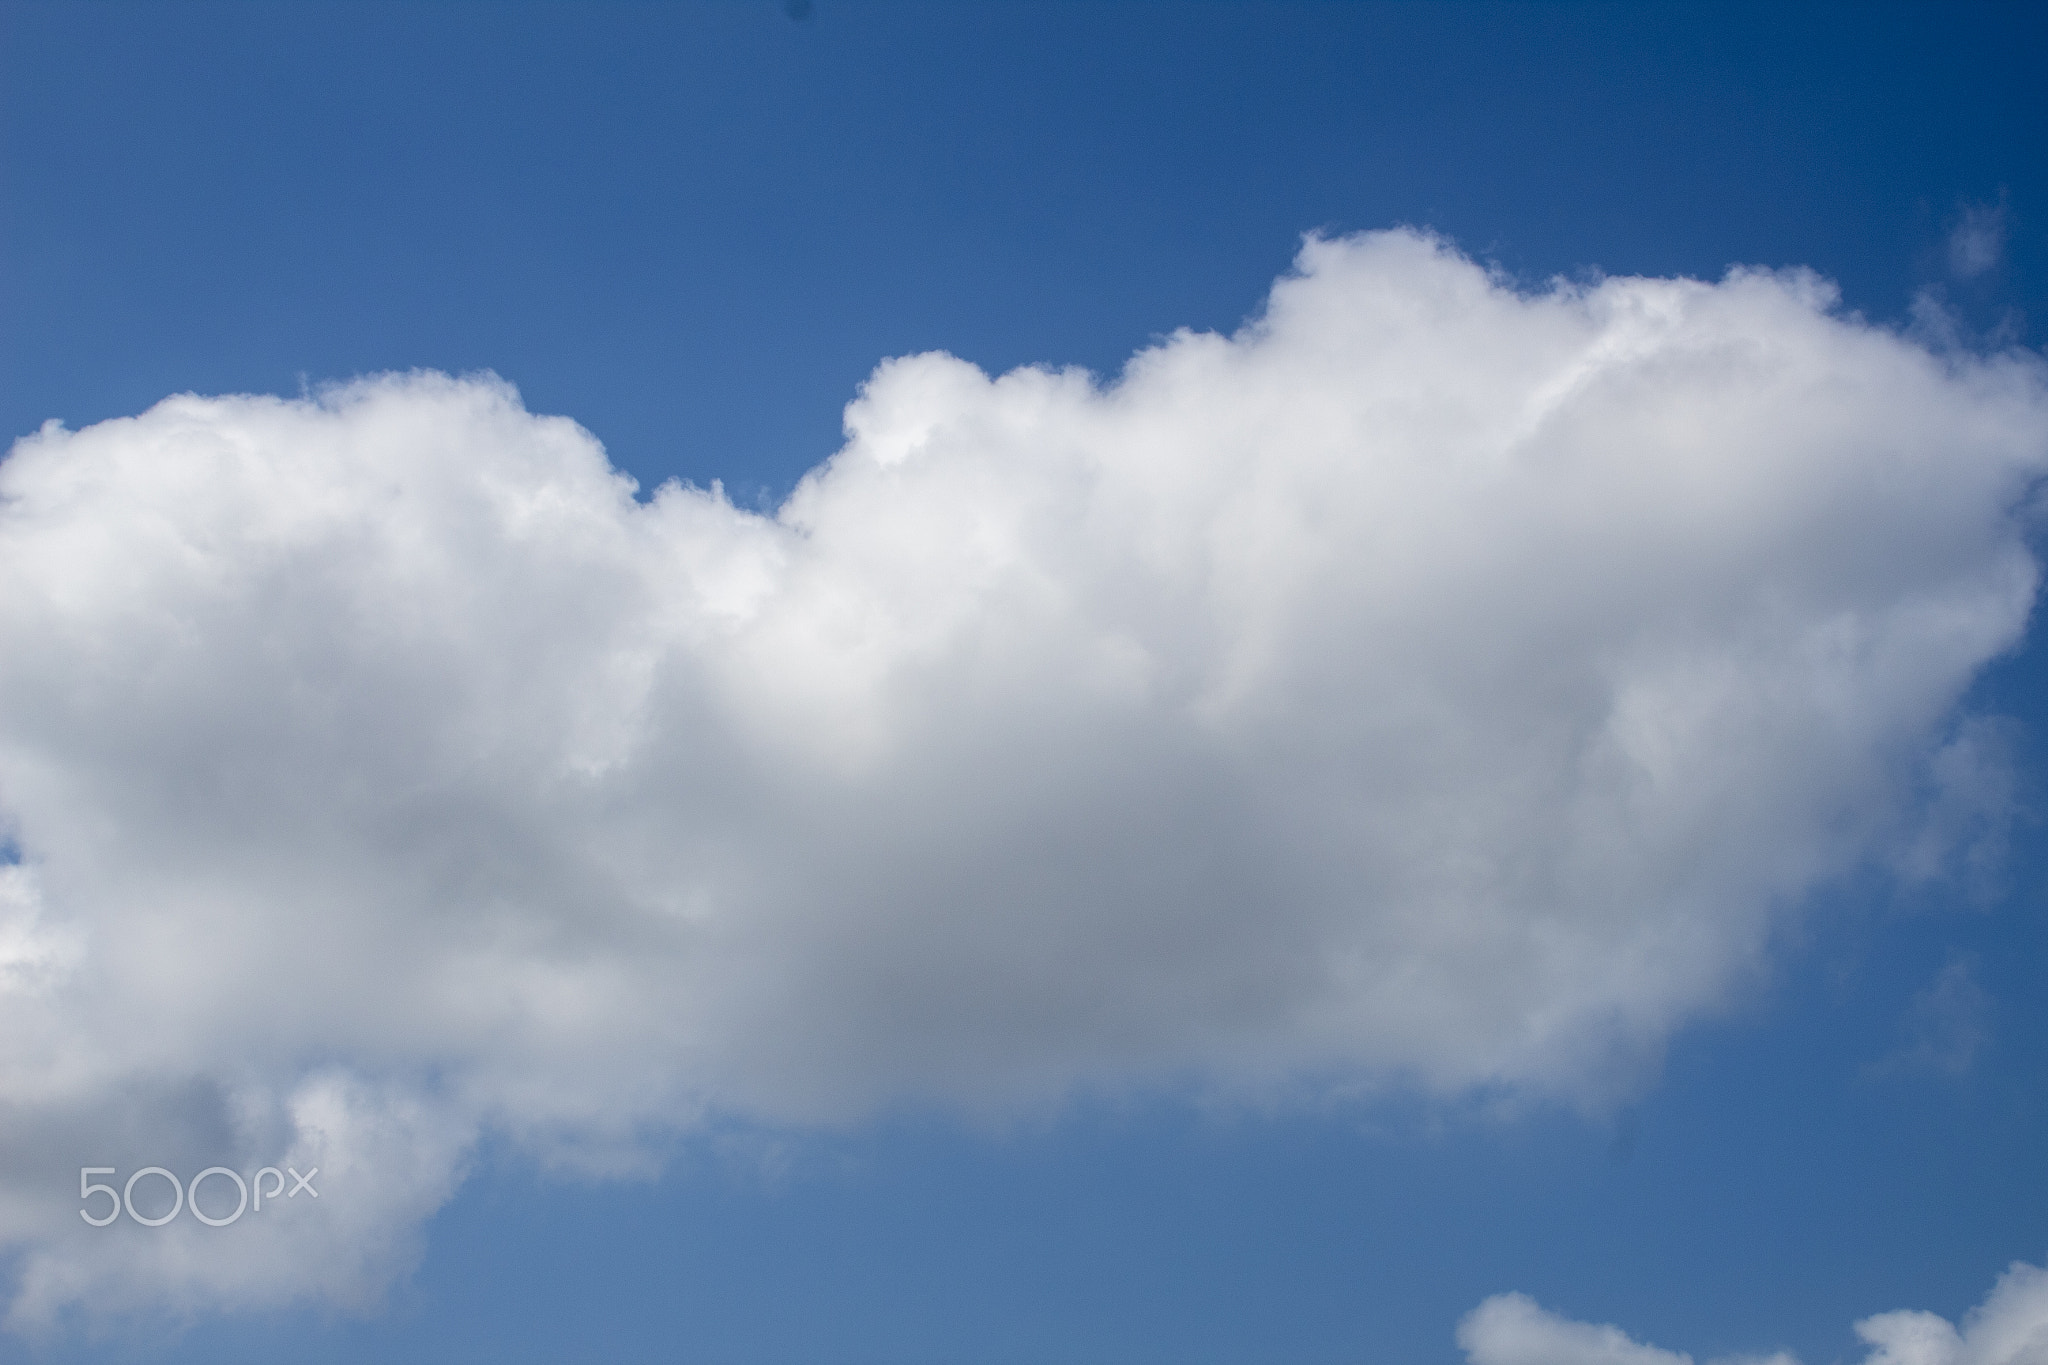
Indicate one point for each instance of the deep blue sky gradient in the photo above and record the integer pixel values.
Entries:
(695, 229)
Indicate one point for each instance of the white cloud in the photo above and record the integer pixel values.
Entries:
(1430, 685)
(1513, 1329)
(2009, 1328)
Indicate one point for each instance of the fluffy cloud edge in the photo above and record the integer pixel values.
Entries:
(2010, 1327)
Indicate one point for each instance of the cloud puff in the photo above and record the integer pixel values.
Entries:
(2009, 1328)
(1513, 1329)
(1431, 685)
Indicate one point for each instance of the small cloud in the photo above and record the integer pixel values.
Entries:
(2008, 1328)
(1945, 1025)
(1513, 1329)
(1977, 242)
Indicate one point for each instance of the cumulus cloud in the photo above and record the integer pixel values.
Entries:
(1432, 685)
(2009, 1328)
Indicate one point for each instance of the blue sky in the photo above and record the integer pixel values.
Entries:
(697, 231)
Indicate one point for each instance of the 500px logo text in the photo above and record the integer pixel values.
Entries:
(183, 1196)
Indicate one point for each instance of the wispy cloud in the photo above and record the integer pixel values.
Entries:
(1976, 243)
(1945, 1025)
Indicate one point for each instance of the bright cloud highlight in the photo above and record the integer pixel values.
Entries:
(1432, 685)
